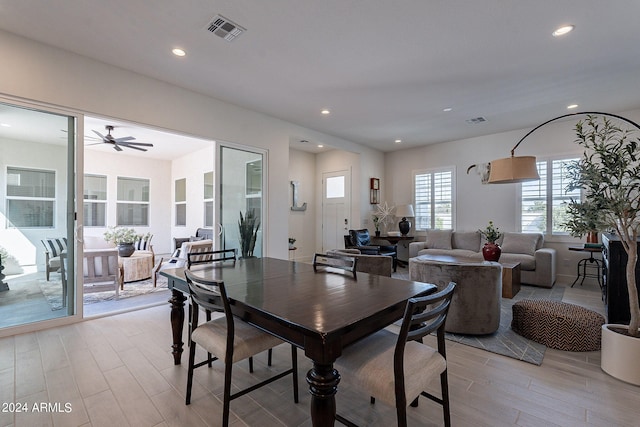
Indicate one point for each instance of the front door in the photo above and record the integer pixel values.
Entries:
(336, 208)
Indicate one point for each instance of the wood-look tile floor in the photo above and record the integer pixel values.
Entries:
(118, 371)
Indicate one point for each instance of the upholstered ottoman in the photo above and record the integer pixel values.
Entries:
(558, 324)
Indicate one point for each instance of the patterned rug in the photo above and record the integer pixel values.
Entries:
(504, 341)
(52, 291)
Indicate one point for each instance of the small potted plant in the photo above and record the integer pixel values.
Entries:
(583, 219)
(491, 250)
(123, 238)
(376, 224)
(248, 226)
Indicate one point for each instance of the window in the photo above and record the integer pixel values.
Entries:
(335, 187)
(31, 197)
(133, 202)
(95, 200)
(543, 203)
(434, 199)
(208, 199)
(181, 201)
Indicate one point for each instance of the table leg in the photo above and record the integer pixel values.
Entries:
(177, 322)
(323, 384)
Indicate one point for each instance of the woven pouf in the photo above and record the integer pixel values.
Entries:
(558, 324)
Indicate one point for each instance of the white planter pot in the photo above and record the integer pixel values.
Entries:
(620, 355)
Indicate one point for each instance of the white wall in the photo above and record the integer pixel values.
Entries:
(45, 74)
(191, 166)
(159, 174)
(302, 224)
(24, 244)
(476, 203)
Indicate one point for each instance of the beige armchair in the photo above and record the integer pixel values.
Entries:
(475, 308)
(53, 247)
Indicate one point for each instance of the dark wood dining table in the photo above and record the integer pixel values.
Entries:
(321, 313)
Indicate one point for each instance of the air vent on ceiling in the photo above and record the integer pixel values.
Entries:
(222, 27)
(476, 120)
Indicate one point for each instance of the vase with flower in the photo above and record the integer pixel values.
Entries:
(491, 251)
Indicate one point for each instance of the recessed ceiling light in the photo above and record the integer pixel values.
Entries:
(572, 106)
(446, 110)
(398, 141)
(320, 146)
(563, 30)
(178, 52)
(325, 111)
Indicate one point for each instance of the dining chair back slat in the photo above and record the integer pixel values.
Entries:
(208, 256)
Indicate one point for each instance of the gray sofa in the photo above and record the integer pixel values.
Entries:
(537, 264)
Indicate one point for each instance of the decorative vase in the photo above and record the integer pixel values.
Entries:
(592, 237)
(491, 251)
(620, 353)
(404, 226)
(126, 249)
(377, 233)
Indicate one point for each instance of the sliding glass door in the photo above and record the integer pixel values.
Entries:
(36, 215)
(241, 207)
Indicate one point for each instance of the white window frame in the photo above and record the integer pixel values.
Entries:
(133, 202)
(51, 200)
(180, 204)
(416, 203)
(551, 195)
(95, 201)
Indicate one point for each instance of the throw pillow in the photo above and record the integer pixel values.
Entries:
(520, 243)
(439, 239)
(195, 239)
(55, 246)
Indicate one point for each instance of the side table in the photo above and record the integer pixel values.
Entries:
(591, 263)
(394, 240)
(136, 267)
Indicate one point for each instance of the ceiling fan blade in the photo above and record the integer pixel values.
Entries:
(117, 147)
(102, 137)
(125, 139)
(143, 144)
(95, 143)
(133, 147)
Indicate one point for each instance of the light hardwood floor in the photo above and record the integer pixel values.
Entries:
(118, 371)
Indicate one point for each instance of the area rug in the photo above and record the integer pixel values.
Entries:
(52, 291)
(505, 341)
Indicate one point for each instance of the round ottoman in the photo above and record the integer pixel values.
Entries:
(558, 324)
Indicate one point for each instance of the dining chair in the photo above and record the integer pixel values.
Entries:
(342, 262)
(206, 257)
(398, 368)
(228, 338)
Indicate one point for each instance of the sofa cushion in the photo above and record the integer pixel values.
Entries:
(458, 253)
(96, 242)
(469, 240)
(527, 262)
(520, 243)
(55, 246)
(439, 239)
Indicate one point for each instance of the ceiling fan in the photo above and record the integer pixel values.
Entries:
(118, 143)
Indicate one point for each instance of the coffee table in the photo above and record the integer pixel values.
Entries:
(510, 279)
(137, 266)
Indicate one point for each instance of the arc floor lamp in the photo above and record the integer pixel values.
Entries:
(514, 169)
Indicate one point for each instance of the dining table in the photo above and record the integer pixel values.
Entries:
(321, 312)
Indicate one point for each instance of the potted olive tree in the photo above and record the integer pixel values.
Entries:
(609, 173)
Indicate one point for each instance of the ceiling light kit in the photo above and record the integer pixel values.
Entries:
(178, 52)
(572, 106)
(325, 112)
